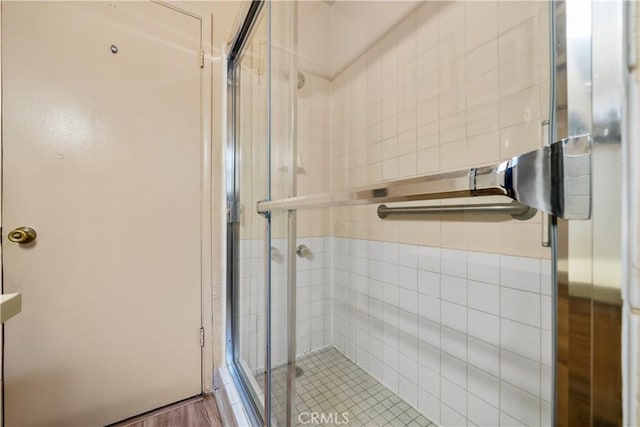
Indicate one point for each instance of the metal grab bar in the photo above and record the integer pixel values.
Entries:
(555, 179)
(516, 209)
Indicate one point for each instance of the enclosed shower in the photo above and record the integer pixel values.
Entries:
(415, 235)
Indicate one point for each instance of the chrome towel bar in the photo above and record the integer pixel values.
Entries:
(555, 179)
(516, 209)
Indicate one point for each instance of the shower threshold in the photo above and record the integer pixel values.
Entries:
(333, 390)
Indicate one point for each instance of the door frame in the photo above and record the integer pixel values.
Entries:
(206, 188)
(206, 197)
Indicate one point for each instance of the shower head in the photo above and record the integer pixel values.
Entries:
(301, 79)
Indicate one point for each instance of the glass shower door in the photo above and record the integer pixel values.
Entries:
(416, 332)
(438, 307)
(261, 285)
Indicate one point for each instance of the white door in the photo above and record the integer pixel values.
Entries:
(102, 157)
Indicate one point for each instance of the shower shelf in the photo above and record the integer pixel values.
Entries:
(555, 179)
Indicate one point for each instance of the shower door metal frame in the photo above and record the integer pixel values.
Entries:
(590, 78)
(259, 414)
(250, 400)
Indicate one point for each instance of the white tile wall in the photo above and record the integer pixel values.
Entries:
(251, 303)
(458, 349)
(464, 335)
(314, 292)
(455, 84)
(313, 308)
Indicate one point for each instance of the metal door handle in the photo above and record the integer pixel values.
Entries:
(22, 235)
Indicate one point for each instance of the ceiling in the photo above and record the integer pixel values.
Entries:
(333, 34)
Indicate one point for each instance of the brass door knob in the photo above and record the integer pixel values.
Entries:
(22, 235)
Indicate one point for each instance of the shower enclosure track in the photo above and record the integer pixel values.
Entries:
(555, 179)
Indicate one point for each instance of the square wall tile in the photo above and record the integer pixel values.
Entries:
(520, 339)
(484, 267)
(484, 386)
(520, 306)
(453, 262)
(408, 390)
(451, 417)
(519, 371)
(484, 297)
(408, 277)
(454, 316)
(484, 326)
(429, 405)
(429, 259)
(454, 343)
(429, 356)
(453, 289)
(453, 396)
(429, 381)
(484, 356)
(453, 369)
(520, 273)
(519, 404)
(429, 283)
(481, 413)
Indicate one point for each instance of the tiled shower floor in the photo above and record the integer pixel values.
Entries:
(331, 384)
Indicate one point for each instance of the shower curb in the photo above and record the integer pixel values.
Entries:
(231, 409)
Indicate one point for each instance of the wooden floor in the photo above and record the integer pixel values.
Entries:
(200, 411)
